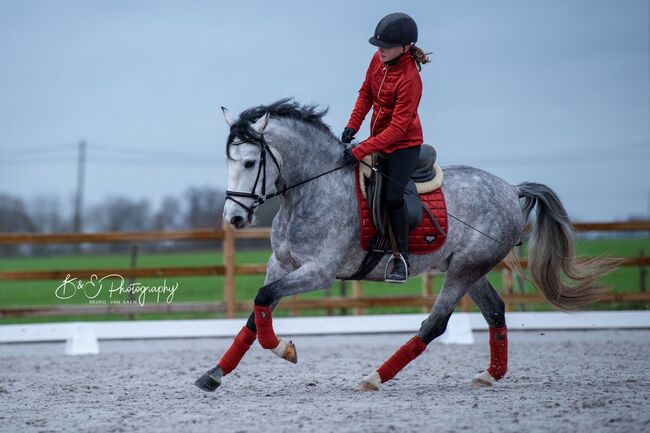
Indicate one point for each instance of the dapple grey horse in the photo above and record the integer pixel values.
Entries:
(315, 235)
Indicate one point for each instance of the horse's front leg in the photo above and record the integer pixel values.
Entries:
(312, 275)
(211, 380)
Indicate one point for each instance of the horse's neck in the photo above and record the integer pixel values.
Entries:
(309, 163)
(302, 161)
(307, 153)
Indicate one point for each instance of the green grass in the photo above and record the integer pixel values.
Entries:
(210, 289)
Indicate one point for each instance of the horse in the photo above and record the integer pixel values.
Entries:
(285, 149)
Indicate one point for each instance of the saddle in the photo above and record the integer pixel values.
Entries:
(427, 177)
(426, 206)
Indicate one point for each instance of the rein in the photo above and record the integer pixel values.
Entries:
(261, 198)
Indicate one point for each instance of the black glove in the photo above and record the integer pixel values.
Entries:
(348, 157)
(348, 135)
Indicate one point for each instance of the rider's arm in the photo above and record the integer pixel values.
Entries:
(364, 100)
(406, 106)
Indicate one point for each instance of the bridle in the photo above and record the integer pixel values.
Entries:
(261, 173)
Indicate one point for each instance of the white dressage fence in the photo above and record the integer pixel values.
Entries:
(82, 337)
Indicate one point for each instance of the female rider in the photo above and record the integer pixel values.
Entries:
(392, 87)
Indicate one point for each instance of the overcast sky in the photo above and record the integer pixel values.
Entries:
(556, 92)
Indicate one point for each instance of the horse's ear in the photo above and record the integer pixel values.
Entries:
(230, 120)
(261, 123)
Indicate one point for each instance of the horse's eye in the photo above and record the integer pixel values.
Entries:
(249, 164)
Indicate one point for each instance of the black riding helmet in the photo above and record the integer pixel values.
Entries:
(395, 30)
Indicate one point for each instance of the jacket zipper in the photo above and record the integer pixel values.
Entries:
(378, 92)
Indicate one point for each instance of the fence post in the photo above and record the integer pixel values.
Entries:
(642, 272)
(465, 304)
(357, 292)
(521, 283)
(134, 262)
(328, 294)
(229, 265)
(294, 311)
(507, 286)
(427, 288)
(343, 284)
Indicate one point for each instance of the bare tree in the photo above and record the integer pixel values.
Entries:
(45, 213)
(169, 215)
(13, 215)
(47, 217)
(14, 219)
(121, 214)
(203, 207)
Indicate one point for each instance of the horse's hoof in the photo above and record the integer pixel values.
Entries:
(366, 386)
(483, 379)
(369, 383)
(286, 350)
(291, 354)
(211, 380)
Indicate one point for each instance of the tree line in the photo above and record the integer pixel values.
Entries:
(194, 208)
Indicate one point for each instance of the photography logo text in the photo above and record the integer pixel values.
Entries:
(118, 291)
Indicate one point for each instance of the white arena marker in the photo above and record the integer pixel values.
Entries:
(82, 340)
(459, 330)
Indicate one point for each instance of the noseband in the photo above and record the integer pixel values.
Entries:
(261, 173)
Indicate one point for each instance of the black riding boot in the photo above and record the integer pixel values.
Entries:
(400, 224)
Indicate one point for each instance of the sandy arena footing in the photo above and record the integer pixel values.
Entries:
(559, 381)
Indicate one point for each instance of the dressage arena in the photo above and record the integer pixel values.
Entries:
(560, 381)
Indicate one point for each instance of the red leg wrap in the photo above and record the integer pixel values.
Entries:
(405, 354)
(498, 352)
(264, 323)
(237, 350)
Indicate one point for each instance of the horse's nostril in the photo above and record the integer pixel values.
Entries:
(236, 220)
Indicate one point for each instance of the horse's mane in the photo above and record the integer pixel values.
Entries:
(285, 107)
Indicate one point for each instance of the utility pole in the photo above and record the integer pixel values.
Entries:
(81, 163)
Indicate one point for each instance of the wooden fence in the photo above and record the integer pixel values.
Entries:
(230, 305)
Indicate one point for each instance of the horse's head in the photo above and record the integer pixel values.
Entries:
(253, 169)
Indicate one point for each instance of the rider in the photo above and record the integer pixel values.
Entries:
(392, 87)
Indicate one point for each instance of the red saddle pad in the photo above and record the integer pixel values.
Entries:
(423, 239)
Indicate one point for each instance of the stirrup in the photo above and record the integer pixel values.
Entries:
(392, 257)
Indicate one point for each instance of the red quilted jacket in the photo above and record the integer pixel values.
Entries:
(393, 92)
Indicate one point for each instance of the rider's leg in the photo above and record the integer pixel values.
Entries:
(493, 310)
(400, 165)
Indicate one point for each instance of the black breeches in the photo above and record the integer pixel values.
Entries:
(399, 166)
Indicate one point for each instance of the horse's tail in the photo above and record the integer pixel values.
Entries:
(552, 251)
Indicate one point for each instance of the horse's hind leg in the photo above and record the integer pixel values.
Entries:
(432, 327)
(493, 310)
